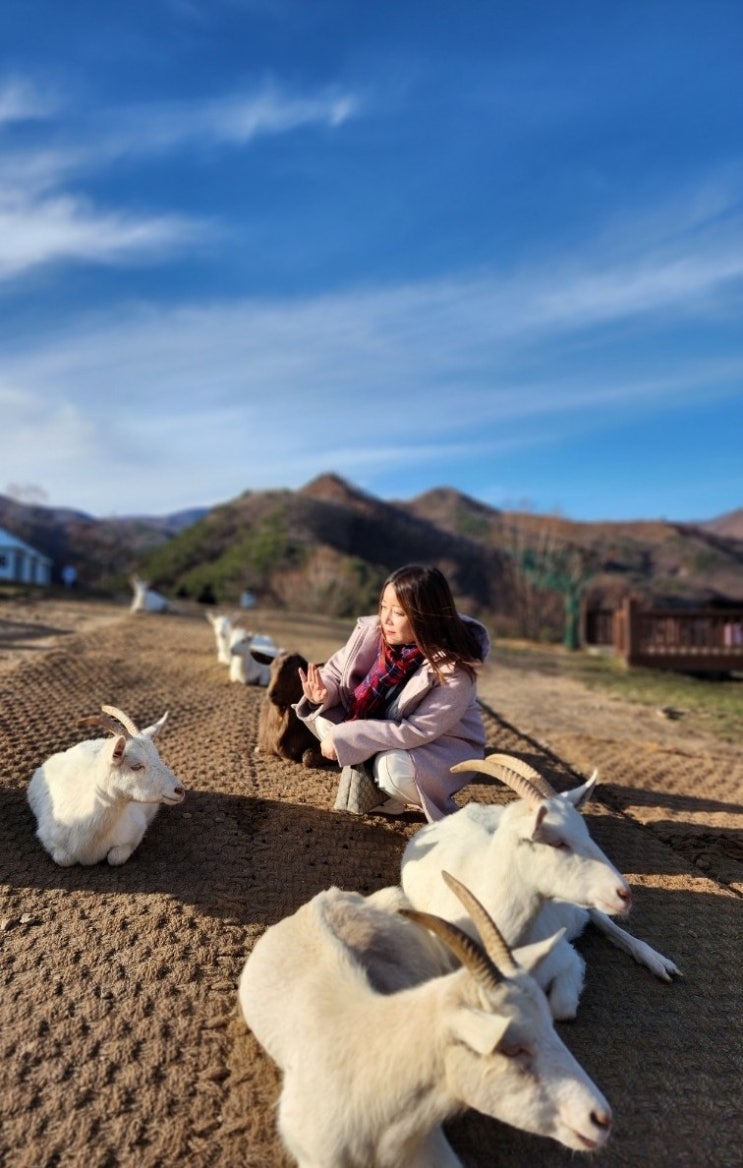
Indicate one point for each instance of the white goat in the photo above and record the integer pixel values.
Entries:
(96, 800)
(224, 632)
(145, 599)
(536, 869)
(251, 657)
(374, 1061)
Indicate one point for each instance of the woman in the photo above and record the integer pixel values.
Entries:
(401, 696)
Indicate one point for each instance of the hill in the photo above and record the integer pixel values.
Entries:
(328, 546)
(102, 550)
(730, 524)
(672, 562)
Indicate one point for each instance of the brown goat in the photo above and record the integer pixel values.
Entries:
(280, 731)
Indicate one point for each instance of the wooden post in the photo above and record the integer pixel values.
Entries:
(631, 629)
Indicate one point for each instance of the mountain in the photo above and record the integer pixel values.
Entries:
(730, 524)
(328, 547)
(100, 549)
(671, 561)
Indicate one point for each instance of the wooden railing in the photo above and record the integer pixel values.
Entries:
(700, 640)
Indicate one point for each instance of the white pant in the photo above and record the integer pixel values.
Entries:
(393, 770)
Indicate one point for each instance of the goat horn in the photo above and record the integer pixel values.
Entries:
(496, 946)
(526, 771)
(523, 786)
(471, 955)
(120, 716)
(97, 722)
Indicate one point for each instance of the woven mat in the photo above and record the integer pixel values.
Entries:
(122, 1046)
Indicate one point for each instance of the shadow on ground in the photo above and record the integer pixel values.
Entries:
(121, 1044)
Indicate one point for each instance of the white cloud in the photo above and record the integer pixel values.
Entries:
(41, 431)
(236, 119)
(194, 405)
(469, 335)
(41, 223)
(160, 407)
(59, 229)
(239, 119)
(22, 101)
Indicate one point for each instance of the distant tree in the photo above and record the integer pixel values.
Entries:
(542, 562)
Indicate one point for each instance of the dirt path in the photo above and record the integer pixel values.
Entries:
(121, 1043)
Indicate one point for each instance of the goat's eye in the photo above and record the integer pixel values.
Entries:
(561, 845)
(515, 1050)
(136, 766)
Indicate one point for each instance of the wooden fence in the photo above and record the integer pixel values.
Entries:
(700, 640)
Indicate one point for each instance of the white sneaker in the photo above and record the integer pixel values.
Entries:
(390, 807)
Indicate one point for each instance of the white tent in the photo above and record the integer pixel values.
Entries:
(21, 564)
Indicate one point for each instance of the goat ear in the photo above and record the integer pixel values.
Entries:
(580, 795)
(538, 818)
(480, 1030)
(531, 956)
(119, 748)
(156, 727)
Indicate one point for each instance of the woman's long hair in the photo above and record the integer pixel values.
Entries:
(424, 595)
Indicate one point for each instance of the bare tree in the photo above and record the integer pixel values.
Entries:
(543, 563)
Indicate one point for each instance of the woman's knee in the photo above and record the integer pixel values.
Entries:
(394, 772)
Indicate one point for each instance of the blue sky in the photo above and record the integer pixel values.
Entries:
(491, 245)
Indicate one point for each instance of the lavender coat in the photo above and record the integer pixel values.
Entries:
(438, 725)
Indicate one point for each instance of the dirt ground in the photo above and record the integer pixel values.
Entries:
(122, 1045)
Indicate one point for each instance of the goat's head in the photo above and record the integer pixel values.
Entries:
(285, 685)
(138, 772)
(504, 1057)
(553, 848)
(220, 624)
(224, 633)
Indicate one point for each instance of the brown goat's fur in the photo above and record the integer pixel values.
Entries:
(280, 731)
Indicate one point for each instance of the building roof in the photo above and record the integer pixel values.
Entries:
(10, 542)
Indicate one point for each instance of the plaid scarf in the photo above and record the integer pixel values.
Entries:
(393, 666)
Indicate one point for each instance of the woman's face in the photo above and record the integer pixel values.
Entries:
(396, 628)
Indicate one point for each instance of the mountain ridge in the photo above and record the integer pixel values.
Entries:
(328, 546)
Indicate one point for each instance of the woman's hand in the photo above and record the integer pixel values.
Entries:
(314, 687)
(327, 750)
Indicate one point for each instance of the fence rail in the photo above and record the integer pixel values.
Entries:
(688, 640)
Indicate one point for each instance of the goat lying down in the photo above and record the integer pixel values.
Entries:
(146, 599)
(251, 657)
(377, 1051)
(96, 800)
(280, 731)
(223, 633)
(536, 869)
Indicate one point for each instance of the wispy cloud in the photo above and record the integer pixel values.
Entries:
(465, 330)
(240, 118)
(41, 222)
(43, 232)
(268, 392)
(22, 101)
(234, 120)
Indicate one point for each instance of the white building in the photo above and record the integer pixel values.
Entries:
(21, 564)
